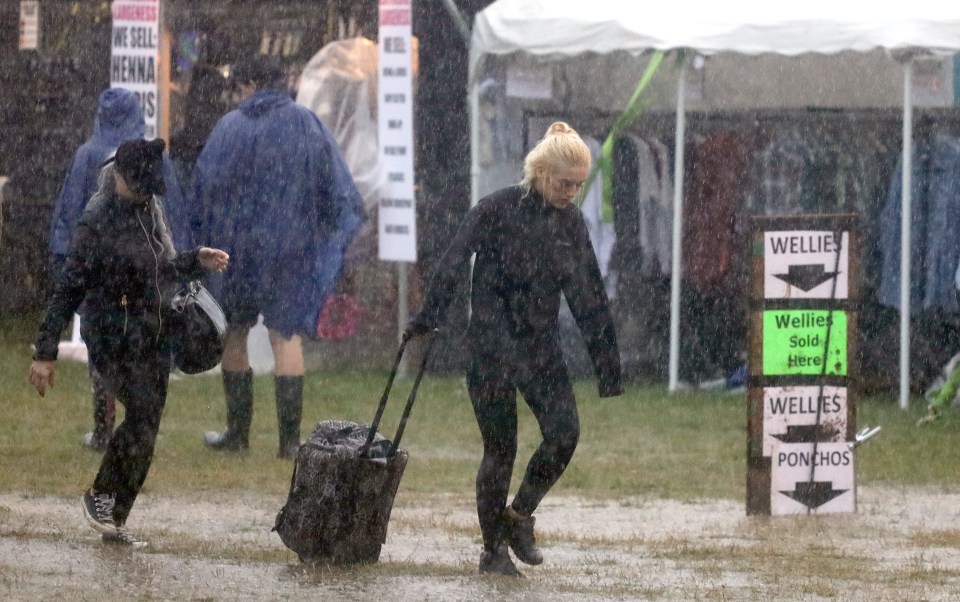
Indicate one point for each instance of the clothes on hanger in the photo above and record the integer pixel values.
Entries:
(643, 205)
(660, 212)
(934, 228)
(603, 235)
(716, 188)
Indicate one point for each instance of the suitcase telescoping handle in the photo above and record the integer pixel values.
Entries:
(365, 450)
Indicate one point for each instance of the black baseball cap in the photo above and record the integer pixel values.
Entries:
(263, 70)
(140, 162)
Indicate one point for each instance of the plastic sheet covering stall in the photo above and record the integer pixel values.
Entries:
(339, 85)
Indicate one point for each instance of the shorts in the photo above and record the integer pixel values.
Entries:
(287, 302)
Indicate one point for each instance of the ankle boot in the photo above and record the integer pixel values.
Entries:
(238, 389)
(289, 392)
(518, 530)
(496, 561)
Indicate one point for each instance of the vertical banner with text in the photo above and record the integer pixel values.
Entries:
(29, 25)
(397, 232)
(135, 44)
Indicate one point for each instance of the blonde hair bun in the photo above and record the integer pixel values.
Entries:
(561, 146)
(560, 127)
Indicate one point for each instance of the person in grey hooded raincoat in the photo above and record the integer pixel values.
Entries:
(119, 117)
(273, 190)
(531, 244)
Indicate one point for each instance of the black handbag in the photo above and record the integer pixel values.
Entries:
(198, 329)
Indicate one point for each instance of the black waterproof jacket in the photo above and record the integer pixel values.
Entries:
(527, 253)
(118, 263)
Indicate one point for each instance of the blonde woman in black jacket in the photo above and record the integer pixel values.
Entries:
(123, 263)
(531, 245)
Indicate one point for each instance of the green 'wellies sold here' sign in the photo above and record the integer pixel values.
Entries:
(804, 341)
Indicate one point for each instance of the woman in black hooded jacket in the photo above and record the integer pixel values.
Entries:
(531, 245)
(123, 264)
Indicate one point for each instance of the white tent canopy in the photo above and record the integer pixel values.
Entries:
(748, 27)
(557, 29)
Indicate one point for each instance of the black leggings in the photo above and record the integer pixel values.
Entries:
(139, 379)
(545, 385)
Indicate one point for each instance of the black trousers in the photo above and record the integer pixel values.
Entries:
(137, 371)
(543, 381)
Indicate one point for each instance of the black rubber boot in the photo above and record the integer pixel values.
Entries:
(238, 388)
(518, 530)
(289, 392)
(496, 561)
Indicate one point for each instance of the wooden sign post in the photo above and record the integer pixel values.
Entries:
(801, 417)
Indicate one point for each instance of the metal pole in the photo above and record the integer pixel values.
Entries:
(3, 182)
(403, 310)
(473, 94)
(677, 231)
(905, 216)
(462, 26)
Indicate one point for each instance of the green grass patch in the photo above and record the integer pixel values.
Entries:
(685, 446)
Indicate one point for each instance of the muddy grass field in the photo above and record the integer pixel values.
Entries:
(901, 544)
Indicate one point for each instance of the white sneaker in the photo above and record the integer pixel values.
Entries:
(123, 537)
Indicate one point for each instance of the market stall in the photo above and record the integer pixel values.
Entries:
(746, 55)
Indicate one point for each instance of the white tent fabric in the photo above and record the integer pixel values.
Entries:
(564, 28)
(570, 27)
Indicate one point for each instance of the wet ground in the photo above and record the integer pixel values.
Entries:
(900, 545)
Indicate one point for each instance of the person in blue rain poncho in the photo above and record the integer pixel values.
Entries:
(272, 189)
(119, 117)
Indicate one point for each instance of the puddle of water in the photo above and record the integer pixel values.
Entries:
(595, 551)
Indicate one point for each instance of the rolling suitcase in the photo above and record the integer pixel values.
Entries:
(345, 477)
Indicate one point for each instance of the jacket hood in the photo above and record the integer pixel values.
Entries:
(119, 117)
(262, 101)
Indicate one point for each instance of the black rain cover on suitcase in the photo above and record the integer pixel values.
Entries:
(339, 503)
(344, 480)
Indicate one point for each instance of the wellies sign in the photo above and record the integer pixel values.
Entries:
(804, 341)
(800, 414)
(806, 264)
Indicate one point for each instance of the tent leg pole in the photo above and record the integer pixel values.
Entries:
(473, 95)
(674, 368)
(403, 309)
(458, 19)
(905, 215)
